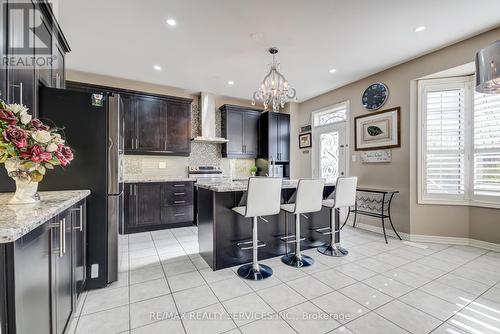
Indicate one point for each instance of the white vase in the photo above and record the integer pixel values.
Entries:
(26, 190)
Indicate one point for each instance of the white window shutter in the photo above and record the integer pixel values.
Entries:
(486, 147)
(444, 143)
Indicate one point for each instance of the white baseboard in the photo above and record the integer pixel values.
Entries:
(431, 238)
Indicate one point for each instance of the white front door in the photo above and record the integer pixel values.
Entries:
(329, 149)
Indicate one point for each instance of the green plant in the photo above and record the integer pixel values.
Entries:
(253, 169)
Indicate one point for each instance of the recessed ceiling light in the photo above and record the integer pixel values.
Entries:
(419, 29)
(332, 70)
(171, 22)
(157, 67)
(230, 82)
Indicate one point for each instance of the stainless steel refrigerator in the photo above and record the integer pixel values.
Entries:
(93, 129)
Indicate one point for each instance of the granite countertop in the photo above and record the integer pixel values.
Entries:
(242, 185)
(160, 179)
(18, 220)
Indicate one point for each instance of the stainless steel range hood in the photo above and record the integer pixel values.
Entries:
(208, 134)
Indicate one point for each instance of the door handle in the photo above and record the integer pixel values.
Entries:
(179, 194)
(80, 210)
(179, 214)
(64, 235)
(179, 202)
(20, 86)
(61, 237)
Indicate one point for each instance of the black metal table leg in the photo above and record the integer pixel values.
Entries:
(382, 217)
(389, 215)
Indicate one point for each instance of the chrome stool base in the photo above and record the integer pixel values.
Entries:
(333, 250)
(298, 262)
(247, 271)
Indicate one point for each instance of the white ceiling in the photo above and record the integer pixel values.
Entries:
(212, 42)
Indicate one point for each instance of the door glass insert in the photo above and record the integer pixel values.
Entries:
(329, 156)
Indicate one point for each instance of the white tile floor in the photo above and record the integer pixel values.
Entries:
(377, 288)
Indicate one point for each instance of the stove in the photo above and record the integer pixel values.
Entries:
(207, 174)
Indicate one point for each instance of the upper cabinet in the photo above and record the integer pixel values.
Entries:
(35, 47)
(240, 125)
(156, 125)
(274, 136)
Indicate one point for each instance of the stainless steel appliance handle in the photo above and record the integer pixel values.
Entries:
(80, 210)
(113, 146)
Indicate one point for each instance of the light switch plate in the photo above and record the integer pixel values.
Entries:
(162, 165)
(354, 158)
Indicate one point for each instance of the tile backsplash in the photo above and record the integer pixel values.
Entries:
(138, 167)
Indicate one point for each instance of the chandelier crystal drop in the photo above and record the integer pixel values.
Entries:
(274, 89)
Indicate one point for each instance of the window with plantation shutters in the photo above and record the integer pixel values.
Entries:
(486, 146)
(459, 144)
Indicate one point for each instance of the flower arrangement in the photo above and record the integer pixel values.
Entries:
(28, 147)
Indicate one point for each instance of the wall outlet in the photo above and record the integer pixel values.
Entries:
(354, 158)
(162, 165)
(94, 270)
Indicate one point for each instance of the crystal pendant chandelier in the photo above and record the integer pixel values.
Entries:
(274, 89)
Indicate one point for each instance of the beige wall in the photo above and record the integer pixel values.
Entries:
(401, 173)
(98, 79)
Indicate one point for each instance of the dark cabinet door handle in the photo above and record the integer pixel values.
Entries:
(179, 202)
(179, 185)
(179, 194)
(179, 214)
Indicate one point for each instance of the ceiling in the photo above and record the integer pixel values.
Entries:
(216, 41)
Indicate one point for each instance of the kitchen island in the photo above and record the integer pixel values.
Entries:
(42, 261)
(220, 228)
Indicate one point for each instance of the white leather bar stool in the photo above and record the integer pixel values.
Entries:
(343, 196)
(308, 199)
(263, 199)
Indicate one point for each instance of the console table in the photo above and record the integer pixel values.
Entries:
(377, 204)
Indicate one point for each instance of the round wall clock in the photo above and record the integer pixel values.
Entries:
(375, 96)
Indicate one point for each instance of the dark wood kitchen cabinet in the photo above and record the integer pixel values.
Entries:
(18, 83)
(274, 136)
(31, 64)
(62, 272)
(79, 240)
(157, 205)
(240, 125)
(158, 126)
(39, 276)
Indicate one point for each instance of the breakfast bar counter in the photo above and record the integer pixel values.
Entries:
(220, 228)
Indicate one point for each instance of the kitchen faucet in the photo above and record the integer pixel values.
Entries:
(273, 166)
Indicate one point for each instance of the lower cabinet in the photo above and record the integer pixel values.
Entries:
(44, 273)
(62, 272)
(154, 206)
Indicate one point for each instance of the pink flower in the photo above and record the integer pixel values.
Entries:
(16, 136)
(36, 124)
(37, 154)
(64, 155)
(8, 116)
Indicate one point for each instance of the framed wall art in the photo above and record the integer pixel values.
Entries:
(305, 140)
(379, 130)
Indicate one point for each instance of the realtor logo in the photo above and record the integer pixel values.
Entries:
(29, 39)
